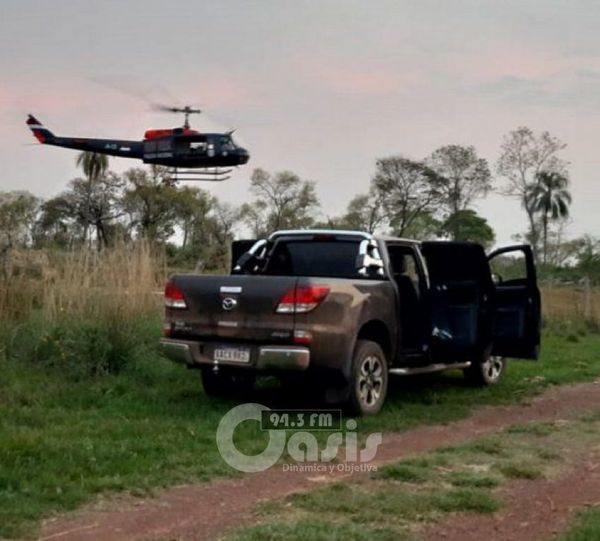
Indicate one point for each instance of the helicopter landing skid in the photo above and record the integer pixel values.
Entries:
(207, 174)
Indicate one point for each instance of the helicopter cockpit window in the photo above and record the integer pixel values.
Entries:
(227, 143)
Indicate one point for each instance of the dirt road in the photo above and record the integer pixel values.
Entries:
(206, 511)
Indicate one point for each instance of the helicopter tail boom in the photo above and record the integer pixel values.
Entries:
(112, 147)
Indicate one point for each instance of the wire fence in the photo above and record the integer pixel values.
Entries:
(579, 302)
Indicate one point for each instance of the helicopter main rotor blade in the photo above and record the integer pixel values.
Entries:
(174, 109)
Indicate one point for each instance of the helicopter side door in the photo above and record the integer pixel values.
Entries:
(191, 147)
(158, 150)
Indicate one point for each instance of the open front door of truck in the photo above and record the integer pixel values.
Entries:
(517, 313)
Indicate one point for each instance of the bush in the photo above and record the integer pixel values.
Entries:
(88, 314)
(83, 348)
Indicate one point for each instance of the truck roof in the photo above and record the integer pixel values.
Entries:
(338, 232)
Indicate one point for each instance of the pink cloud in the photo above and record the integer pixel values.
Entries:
(364, 78)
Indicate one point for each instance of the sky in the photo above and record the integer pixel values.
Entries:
(319, 88)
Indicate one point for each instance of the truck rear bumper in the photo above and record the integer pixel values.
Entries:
(264, 357)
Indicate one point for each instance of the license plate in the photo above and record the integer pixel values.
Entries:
(232, 355)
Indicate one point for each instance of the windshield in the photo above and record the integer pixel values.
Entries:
(331, 258)
(227, 142)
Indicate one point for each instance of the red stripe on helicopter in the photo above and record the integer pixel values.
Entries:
(155, 134)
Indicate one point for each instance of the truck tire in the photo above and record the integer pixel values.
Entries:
(486, 371)
(225, 383)
(369, 381)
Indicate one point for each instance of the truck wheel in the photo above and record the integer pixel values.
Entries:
(486, 372)
(226, 384)
(369, 378)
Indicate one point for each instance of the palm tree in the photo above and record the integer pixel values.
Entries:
(94, 165)
(550, 198)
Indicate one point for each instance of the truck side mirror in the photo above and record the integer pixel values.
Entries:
(497, 278)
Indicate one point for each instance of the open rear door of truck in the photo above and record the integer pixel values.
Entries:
(517, 313)
(461, 295)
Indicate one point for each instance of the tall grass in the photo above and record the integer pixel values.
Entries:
(89, 312)
(93, 312)
(576, 303)
(121, 281)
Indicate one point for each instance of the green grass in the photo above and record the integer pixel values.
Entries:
(409, 473)
(389, 503)
(445, 398)
(473, 480)
(66, 438)
(129, 420)
(516, 470)
(401, 499)
(310, 530)
(586, 527)
(535, 428)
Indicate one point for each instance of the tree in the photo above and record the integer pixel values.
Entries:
(467, 225)
(57, 223)
(223, 219)
(549, 197)
(95, 203)
(364, 212)
(150, 203)
(282, 201)
(208, 229)
(523, 156)
(93, 198)
(256, 217)
(463, 177)
(588, 256)
(94, 165)
(406, 189)
(425, 226)
(192, 209)
(562, 252)
(18, 211)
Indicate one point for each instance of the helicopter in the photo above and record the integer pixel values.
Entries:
(188, 154)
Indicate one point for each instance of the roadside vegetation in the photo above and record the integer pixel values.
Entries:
(401, 500)
(585, 527)
(70, 435)
(89, 407)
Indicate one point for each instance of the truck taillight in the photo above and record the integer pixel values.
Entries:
(302, 299)
(174, 297)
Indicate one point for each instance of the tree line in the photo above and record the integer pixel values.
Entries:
(425, 198)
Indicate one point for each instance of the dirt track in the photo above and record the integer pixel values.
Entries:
(205, 511)
(534, 510)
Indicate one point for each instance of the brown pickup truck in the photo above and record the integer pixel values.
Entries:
(345, 309)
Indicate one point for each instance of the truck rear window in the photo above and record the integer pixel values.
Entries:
(333, 259)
